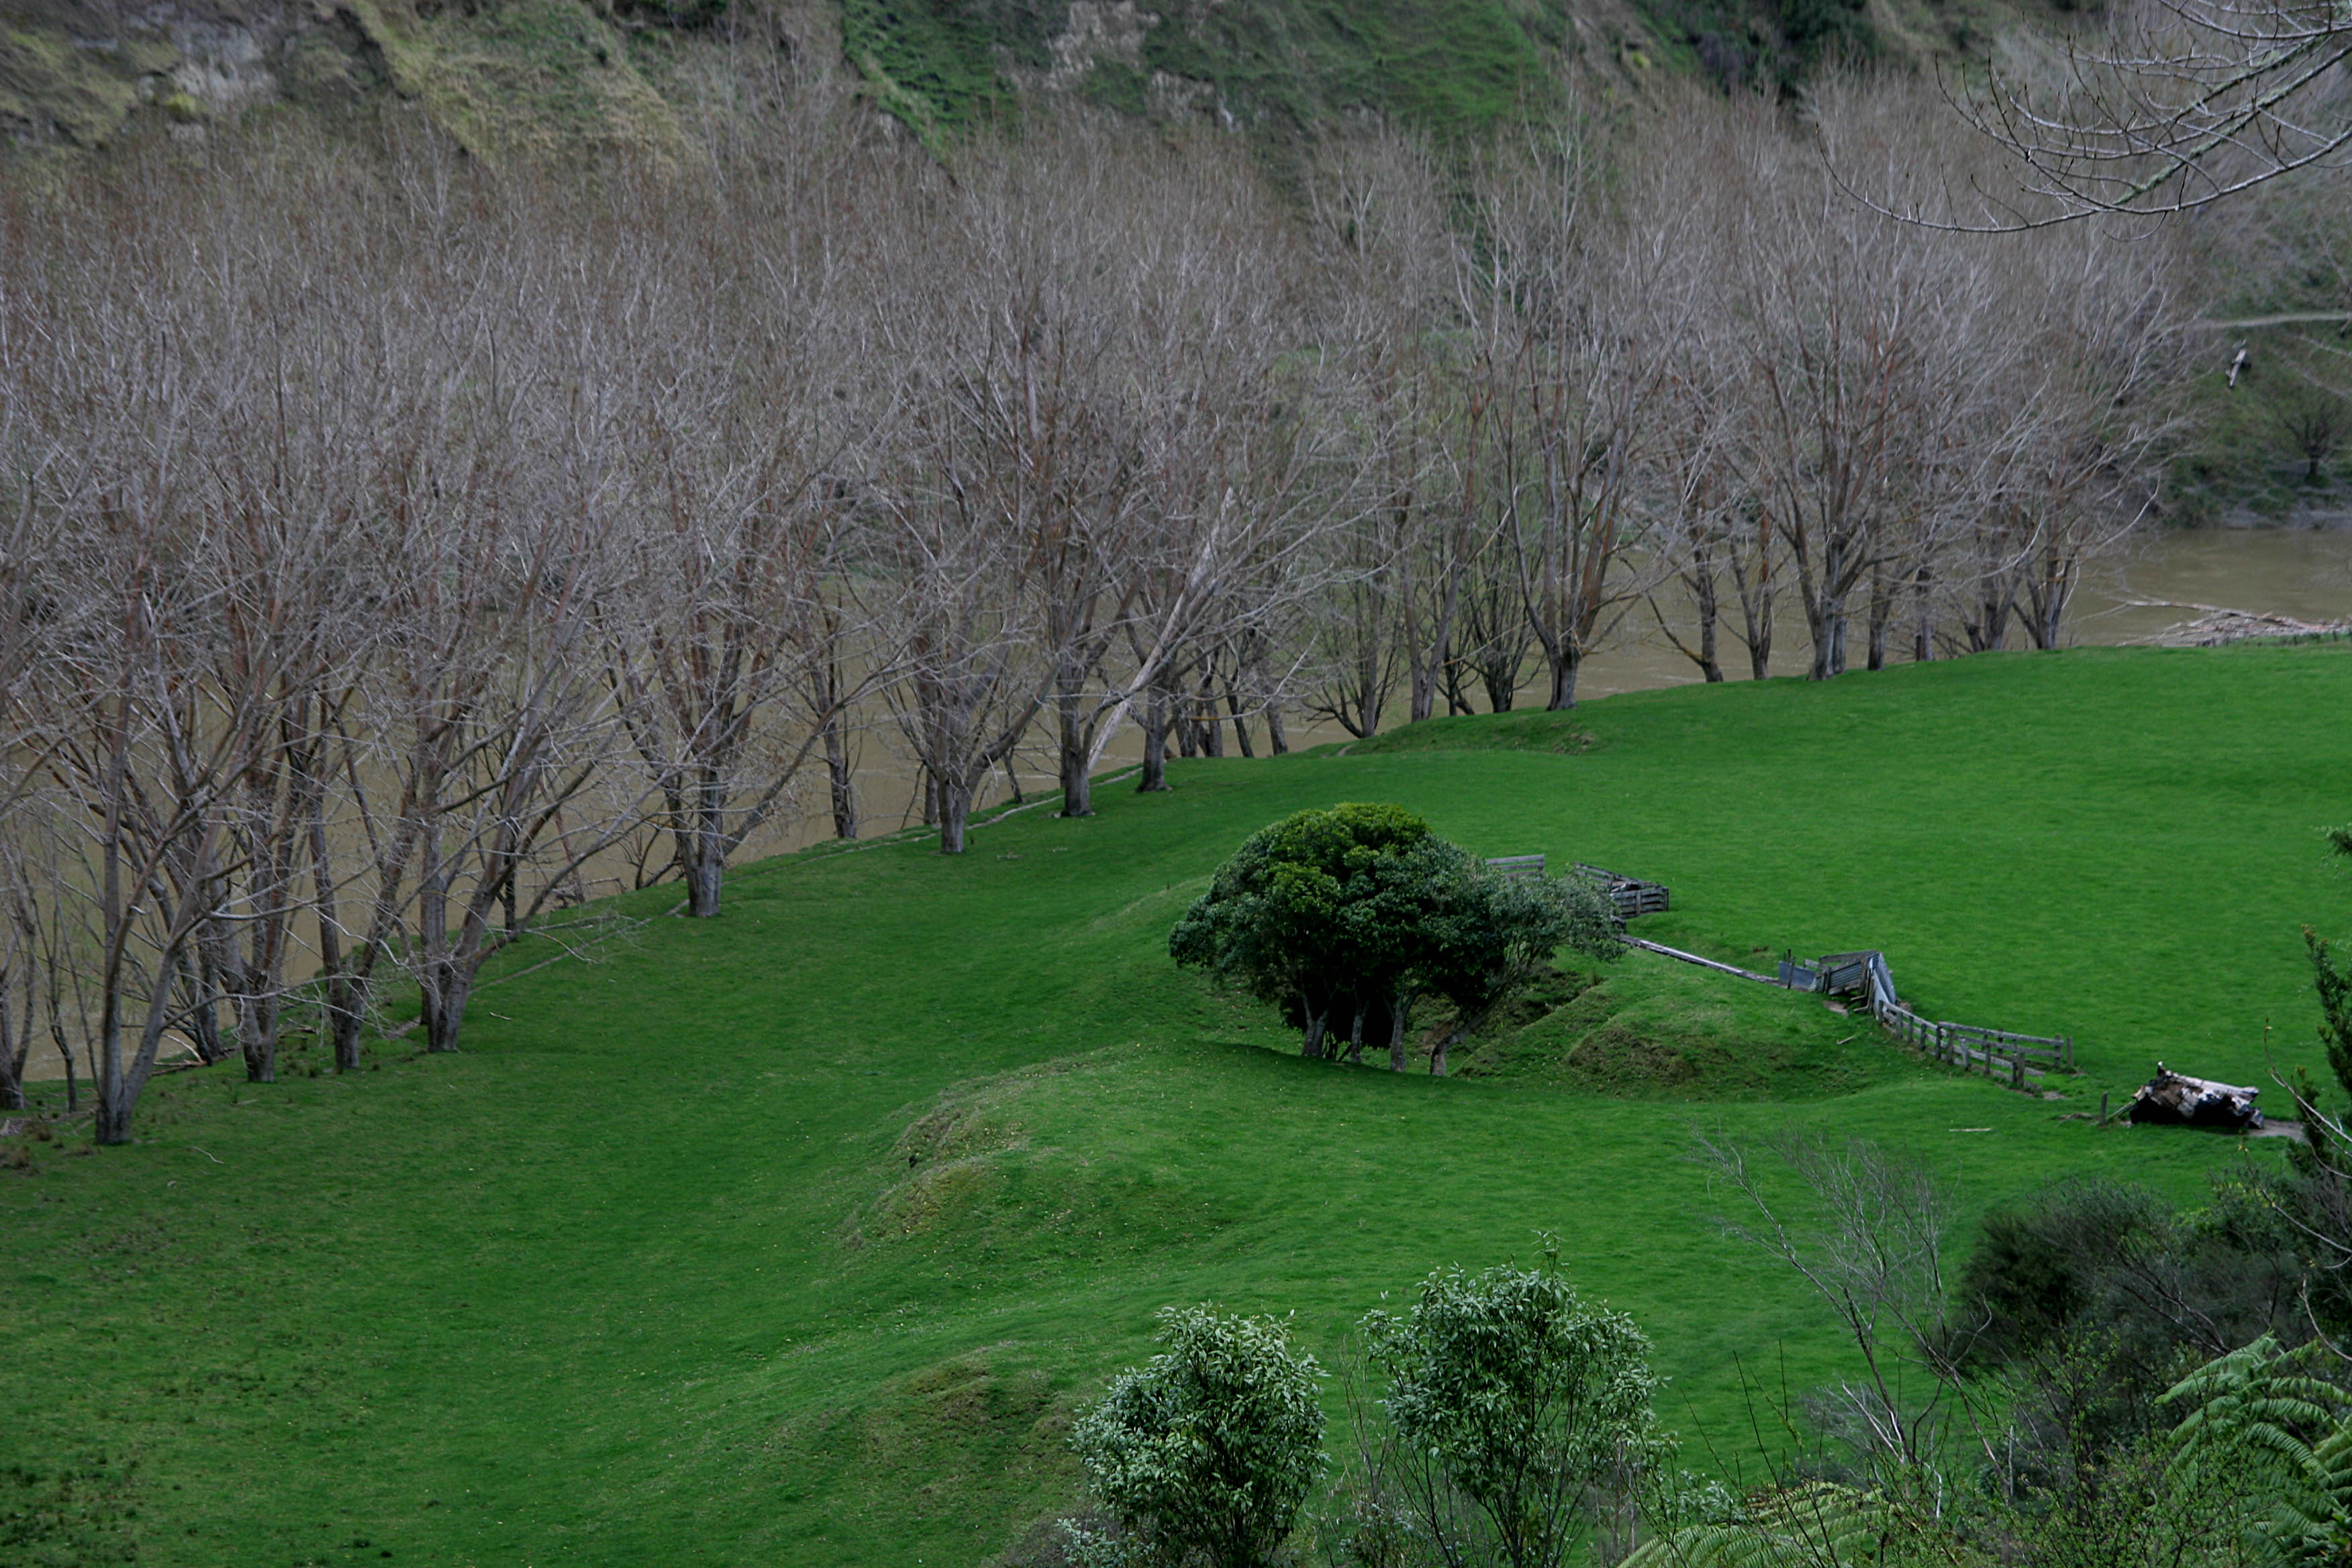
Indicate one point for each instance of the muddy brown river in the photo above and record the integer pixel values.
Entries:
(2160, 580)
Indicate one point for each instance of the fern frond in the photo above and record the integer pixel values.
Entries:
(1818, 1525)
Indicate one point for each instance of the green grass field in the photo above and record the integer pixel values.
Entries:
(795, 1237)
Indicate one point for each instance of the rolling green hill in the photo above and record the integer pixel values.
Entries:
(796, 1235)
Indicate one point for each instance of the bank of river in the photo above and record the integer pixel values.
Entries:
(2160, 579)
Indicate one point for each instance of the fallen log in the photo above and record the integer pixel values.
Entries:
(2176, 1099)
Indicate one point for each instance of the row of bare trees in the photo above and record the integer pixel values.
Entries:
(1677, 372)
(393, 554)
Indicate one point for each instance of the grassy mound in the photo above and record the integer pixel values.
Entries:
(1558, 734)
(797, 1235)
(1652, 1029)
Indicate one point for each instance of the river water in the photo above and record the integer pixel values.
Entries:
(2160, 579)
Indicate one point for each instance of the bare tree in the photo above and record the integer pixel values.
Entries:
(137, 732)
(520, 720)
(1868, 1239)
(1693, 503)
(724, 637)
(1867, 351)
(2172, 105)
(1387, 256)
(1579, 312)
(22, 993)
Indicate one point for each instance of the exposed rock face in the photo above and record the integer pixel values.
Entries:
(1098, 34)
(513, 81)
(75, 70)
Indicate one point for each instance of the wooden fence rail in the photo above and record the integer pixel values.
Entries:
(1694, 958)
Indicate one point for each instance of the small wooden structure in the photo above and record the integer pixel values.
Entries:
(1516, 866)
(1632, 896)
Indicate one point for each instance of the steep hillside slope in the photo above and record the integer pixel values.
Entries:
(522, 78)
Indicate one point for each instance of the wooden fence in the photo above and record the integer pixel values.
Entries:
(1997, 1053)
(1968, 1046)
(1630, 895)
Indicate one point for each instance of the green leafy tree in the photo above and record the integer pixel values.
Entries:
(1495, 934)
(1204, 1454)
(1524, 1413)
(1277, 920)
(1346, 917)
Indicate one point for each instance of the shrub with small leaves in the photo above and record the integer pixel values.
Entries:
(1203, 1454)
(1511, 1396)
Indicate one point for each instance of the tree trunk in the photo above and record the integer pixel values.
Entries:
(1437, 1054)
(111, 1121)
(348, 986)
(1923, 638)
(1710, 665)
(1399, 1012)
(955, 810)
(12, 1061)
(64, 1055)
(118, 1084)
(1882, 610)
(703, 874)
(447, 991)
(844, 784)
(200, 988)
(1078, 789)
(336, 1001)
(1565, 665)
(1240, 719)
(432, 943)
(1155, 743)
(1825, 612)
(1356, 1037)
(1312, 1046)
(256, 1036)
(1204, 708)
(1757, 595)
(703, 855)
(1277, 742)
(1829, 639)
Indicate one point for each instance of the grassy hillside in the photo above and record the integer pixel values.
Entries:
(795, 1237)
